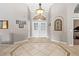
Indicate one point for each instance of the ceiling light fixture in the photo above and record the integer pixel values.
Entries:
(40, 10)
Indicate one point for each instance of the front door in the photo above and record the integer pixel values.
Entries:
(39, 29)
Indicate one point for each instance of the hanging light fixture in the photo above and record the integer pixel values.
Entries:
(40, 12)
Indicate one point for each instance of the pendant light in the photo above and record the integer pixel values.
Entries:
(40, 12)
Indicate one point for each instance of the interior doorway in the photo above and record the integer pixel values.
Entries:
(39, 29)
(76, 32)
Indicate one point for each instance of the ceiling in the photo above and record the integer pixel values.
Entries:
(34, 6)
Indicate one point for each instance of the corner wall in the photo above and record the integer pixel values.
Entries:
(13, 12)
(66, 10)
(58, 9)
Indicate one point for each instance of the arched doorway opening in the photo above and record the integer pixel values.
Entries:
(76, 26)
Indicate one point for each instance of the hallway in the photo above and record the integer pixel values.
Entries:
(44, 29)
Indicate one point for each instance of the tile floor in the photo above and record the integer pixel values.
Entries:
(38, 47)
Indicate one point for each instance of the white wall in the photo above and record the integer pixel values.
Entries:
(67, 12)
(70, 18)
(20, 11)
(13, 12)
(56, 10)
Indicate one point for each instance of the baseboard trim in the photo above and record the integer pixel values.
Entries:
(59, 41)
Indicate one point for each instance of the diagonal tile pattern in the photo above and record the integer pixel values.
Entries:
(39, 47)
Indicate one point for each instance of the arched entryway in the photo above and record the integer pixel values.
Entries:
(76, 26)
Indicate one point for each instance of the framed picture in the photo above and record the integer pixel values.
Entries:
(58, 24)
(21, 26)
(3, 24)
(17, 21)
(21, 23)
